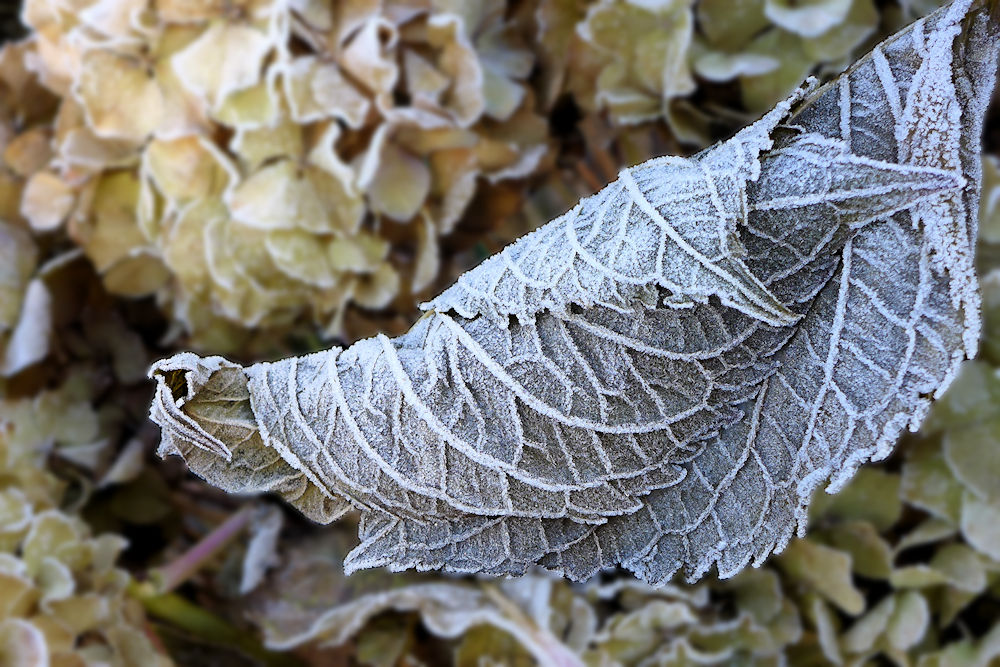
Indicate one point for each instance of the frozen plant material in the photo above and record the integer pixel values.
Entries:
(659, 378)
(260, 164)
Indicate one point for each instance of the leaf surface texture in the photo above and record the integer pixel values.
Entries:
(659, 378)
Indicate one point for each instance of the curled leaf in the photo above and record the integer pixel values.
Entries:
(660, 377)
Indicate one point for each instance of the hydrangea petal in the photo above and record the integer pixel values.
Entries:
(225, 59)
(47, 201)
(120, 97)
(808, 18)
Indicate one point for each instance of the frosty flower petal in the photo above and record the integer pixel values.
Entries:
(47, 201)
(112, 234)
(645, 47)
(989, 202)
(29, 151)
(226, 58)
(185, 169)
(139, 274)
(808, 18)
(282, 196)
(377, 289)
(121, 99)
(18, 255)
(730, 25)
(22, 644)
(367, 56)
(720, 66)
(400, 184)
(301, 256)
(762, 90)
(317, 90)
(838, 42)
(257, 145)
(29, 342)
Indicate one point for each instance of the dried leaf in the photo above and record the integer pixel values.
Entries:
(660, 377)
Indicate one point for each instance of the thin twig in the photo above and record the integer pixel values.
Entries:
(172, 575)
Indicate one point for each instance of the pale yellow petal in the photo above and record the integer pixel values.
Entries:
(280, 196)
(18, 256)
(357, 254)
(428, 255)
(253, 107)
(317, 89)
(29, 151)
(112, 234)
(46, 201)
(377, 289)
(226, 58)
(29, 342)
(400, 184)
(187, 168)
(119, 95)
(458, 61)
(139, 274)
(369, 56)
(257, 145)
(119, 22)
(22, 644)
(183, 242)
(189, 11)
(808, 18)
(302, 256)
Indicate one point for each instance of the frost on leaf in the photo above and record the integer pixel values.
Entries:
(659, 378)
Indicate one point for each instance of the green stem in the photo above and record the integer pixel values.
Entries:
(202, 624)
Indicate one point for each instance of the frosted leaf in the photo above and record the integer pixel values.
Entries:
(659, 378)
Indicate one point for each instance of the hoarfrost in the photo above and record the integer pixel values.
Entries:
(659, 378)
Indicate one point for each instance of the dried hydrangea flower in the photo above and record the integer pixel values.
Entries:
(62, 599)
(641, 51)
(770, 45)
(659, 378)
(244, 164)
